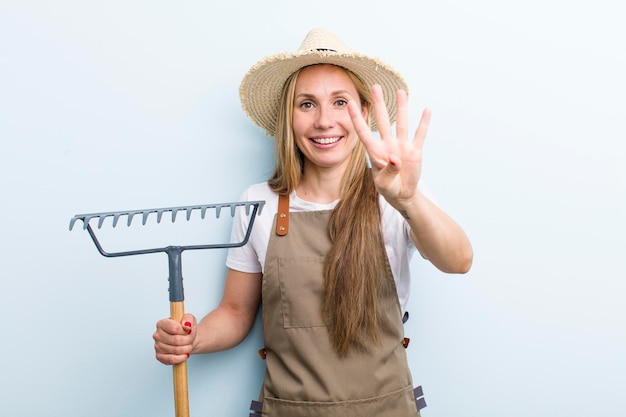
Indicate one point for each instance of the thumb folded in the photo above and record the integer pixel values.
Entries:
(393, 167)
(188, 322)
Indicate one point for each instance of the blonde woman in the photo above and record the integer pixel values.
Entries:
(329, 255)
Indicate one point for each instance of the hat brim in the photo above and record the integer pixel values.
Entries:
(261, 87)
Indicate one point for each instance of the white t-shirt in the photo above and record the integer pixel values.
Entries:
(251, 257)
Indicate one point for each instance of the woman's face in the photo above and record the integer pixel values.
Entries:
(322, 127)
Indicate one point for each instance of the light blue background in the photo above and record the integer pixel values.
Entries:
(127, 105)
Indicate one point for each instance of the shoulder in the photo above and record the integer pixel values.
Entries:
(262, 192)
(258, 192)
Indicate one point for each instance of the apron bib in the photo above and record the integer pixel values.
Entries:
(304, 376)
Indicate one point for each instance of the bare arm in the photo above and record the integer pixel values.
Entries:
(221, 329)
(229, 324)
(437, 237)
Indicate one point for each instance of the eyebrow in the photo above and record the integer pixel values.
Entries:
(334, 93)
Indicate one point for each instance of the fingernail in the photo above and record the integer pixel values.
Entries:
(187, 324)
(188, 355)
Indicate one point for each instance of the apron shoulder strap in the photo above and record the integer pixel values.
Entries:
(282, 217)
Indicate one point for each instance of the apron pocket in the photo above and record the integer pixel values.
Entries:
(400, 403)
(301, 291)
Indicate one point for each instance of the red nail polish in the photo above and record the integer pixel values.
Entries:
(187, 324)
(188, 355)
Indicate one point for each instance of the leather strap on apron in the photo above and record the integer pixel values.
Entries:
(282, 217)
(304, 376)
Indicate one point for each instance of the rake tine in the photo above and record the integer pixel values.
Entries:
(159, 215)
(72, 221)
(86, 221)
(116, 218)
(174, 213)
(203, 212)
(101, 221)
(233, 207)
(83, 218)
(131, 214)
(189, 210)
(144, 218)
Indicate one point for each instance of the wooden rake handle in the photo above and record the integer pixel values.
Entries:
(181, 391)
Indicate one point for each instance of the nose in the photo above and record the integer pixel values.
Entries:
(325, 118)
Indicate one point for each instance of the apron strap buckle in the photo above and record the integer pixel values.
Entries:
(256, 407)
(420, 402)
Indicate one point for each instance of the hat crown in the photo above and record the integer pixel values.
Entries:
(323, 40)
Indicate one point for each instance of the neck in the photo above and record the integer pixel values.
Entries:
(320, 185)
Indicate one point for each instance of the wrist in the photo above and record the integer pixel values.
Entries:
(406, 206)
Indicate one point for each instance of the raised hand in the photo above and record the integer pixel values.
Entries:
(396, 162)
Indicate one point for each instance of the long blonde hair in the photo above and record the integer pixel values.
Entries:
(355, 267)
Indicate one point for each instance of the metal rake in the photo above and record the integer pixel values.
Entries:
(176, 293)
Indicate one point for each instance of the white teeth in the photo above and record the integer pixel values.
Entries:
(326, 141)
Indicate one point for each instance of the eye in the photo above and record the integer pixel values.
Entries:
(306, 105)
(341, 103)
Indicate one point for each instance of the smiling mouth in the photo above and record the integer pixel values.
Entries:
(326, 141)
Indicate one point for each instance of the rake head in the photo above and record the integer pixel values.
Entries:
(145, 213)
(252, 209)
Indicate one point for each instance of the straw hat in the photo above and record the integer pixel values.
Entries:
(261, 87)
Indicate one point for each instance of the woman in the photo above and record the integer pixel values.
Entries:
(329, 255)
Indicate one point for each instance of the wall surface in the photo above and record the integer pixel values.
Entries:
(127, 105)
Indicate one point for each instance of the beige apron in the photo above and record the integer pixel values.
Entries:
(304, 376)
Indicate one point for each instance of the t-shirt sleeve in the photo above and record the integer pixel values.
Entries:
(243, 258)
